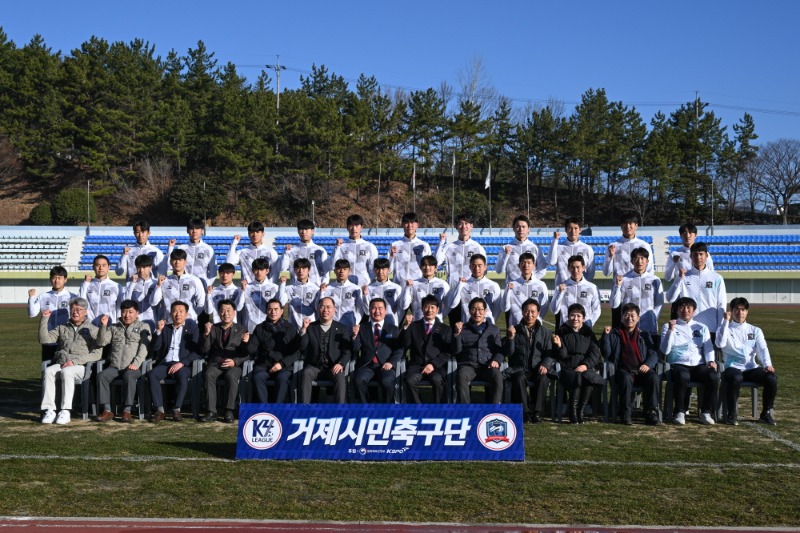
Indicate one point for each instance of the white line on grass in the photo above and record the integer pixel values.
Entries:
(774, 436)
(156, 458)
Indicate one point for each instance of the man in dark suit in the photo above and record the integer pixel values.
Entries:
(378, 350)
(174, 349)
(275, 346)
(225, 347)
(326, 347)
(429, 343)
(529, 347)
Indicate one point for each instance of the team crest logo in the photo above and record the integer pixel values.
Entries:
(348, 296)
(469, 254)
(362, 253)
(437, 291)
(751, 337)
(535, 294)
(709, 285)
(185, 287)
(267, 294)
(696, 333)
(63, 305)
(389, 294)
(648, 287)
(497, 432)
(262, 431)
(485, 292)
(583, 294)
(106, 292)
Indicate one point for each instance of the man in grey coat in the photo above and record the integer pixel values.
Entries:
(77, 346)
(130, 340)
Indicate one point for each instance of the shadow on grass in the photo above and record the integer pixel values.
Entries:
(18, 397)
(221, 450)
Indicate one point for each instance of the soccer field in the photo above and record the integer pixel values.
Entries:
(597, 473)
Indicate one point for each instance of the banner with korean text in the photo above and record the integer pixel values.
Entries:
(376, 432)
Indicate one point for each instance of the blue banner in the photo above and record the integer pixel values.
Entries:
(380, 432)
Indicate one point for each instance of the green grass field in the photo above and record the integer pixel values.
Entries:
(597, 473)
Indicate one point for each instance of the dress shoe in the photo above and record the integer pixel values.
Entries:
(209, 417)
(176, 416)
(126, 417)
(158, 416)
(229, 418)
(535, 419)
(626, 420)
(105, 416)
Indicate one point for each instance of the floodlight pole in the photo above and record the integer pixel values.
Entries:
(277, 67)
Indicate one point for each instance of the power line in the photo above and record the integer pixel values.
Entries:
(528, 100)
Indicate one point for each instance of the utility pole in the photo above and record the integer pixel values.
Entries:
(277, 67)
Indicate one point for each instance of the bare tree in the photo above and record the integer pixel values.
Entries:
(778, 174)
(476, 86)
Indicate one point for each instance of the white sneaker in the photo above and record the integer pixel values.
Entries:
(680, 418)
(706, 420)
(48, 417)
(63, 417)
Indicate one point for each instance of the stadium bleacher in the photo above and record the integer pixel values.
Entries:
(750, 252)
(33, 252)
(112, 246)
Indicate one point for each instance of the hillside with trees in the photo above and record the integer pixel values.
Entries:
(183, 135)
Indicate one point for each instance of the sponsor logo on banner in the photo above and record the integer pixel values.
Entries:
(497, 432)
(262, 431)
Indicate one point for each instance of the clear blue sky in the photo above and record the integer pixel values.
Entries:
(739, 54)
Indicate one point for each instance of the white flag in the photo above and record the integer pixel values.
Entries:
(414, 178)
(488, 178)
(453, 168)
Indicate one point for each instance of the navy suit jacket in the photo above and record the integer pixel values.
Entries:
(189, 347)
(435, 348)
(389, 349)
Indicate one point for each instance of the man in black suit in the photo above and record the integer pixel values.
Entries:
(225, 346)
(174, 349)
(325, 346)
(529, 348)
(378, 351)
(429, 343)
(275, 346)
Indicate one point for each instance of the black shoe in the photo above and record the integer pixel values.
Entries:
(651, 418)
(228, 417)
(627, 421)
(766, 418)
(535, 419)
(209, 417)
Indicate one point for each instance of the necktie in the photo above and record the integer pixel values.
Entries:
(428, 328)
(376, 338)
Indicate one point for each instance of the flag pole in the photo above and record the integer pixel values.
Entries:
(453, 196)
(414, 187)
(488, 185)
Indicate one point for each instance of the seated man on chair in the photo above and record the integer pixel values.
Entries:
(175, 348)
(325, 346)
(429, 343)
(130, 341)
(740, 343)
(225, 346)
(479, 353)
(690, 353)
(77, 346)
(529, 347)
(377, 351)
(634, 356)
(274, 346)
